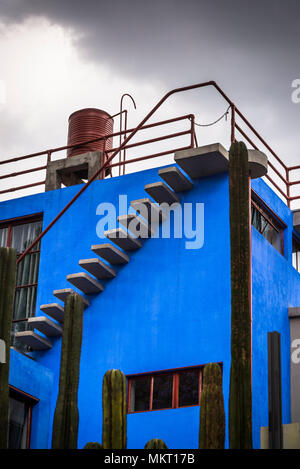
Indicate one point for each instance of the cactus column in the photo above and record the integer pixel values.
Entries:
(66, 417)
(114, 429)
(212, 413)
(8, 264)
(240, 399)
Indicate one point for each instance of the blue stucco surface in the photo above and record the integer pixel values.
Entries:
(168, 308)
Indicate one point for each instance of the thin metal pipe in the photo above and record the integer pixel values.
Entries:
(121, 122)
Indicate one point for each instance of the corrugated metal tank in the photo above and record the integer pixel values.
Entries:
(87, 124)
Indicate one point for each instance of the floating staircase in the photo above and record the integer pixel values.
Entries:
(197, 163)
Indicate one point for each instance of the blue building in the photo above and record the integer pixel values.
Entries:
(156, 308)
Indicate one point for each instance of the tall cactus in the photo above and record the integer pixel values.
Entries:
(66, 417)
(156, 443)
(240, 405)
(8, 264)
(114, 429)
(212, 413)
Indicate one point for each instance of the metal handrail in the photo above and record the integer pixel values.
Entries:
(234, 111)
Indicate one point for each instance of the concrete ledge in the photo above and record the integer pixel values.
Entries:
(123, 239)
(138, 227)
(46, 326)
(291, 436)
(214, 159)
(85, 283)
(33, 340)
(65, 292)
(54, 310)
(294, 312)
(110, 253)
(150, 211)
(96, 267)
(175, 179)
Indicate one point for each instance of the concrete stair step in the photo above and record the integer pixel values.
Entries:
(33, 340)
(54, 310)
(150, 211)
(123, 239)
(203, 161)
(46, 326)
(65, 292)
(161, 193)
(85, 283)
(137, 226)
(175, 179)
(96, 267)
(110, 253)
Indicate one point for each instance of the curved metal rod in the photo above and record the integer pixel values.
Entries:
(121, 123)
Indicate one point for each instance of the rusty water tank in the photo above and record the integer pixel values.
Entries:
(87, 124)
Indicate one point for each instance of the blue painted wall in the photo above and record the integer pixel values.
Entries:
(169, 307)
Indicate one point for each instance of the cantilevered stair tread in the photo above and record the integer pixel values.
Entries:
(85, 283)
(97, 268)
(203, 161)
(65, 292)
(110, 253)
(175, 179)
(161, 193)
(54, 310)
(149, 210)
(123, 239)
(135, 224)
(33, 340)
(46, 326)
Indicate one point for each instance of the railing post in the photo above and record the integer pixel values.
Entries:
(232, 123)
(287, 172)
(49, 154)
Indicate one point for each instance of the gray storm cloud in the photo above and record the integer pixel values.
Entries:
(250, 47)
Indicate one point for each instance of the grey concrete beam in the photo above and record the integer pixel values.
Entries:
(85, 283)
(65, 292)
(138, 227)
(150, 211)
(97, 268)
(294, 312)
(175, 179)
(33, 340)
(110, 253)
(46, 326)
(258, 164)
(161, 193)
(123, 239)
(203, 161)
(54, 310)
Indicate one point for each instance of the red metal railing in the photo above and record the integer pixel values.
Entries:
(285, 179)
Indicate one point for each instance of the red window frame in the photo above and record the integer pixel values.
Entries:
(30, 401)
(296, 241)
(175, 392)
(9, 224)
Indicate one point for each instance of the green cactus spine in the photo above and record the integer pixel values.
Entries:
(66, 416)
(240, 405)
(212, 413)
(114, 429)
(156, 443)
(93, 445)
(8, 264)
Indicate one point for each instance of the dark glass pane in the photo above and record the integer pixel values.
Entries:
(24, 235)
(188, 388)
(162, 391)
(140, 394)
(25, 301)
(18, 415)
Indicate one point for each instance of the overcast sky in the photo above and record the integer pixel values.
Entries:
(61, 55)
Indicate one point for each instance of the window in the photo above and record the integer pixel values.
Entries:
(296, 253)
(165, 390)
(20, 413)
(19, 234)
(267, 224)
